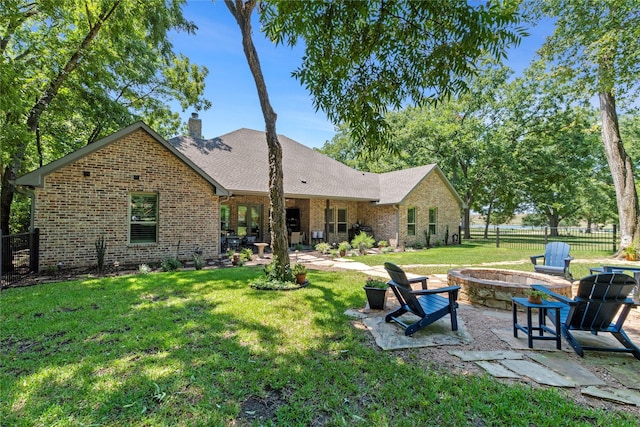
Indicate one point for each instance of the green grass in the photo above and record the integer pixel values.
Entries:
(203, 348)
(439, 260)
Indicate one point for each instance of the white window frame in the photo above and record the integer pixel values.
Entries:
(433, 221)
(411, 226)
(135, 220)
(342, 226)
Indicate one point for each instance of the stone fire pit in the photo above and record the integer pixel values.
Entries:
(494, 288)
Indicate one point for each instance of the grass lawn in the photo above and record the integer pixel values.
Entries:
(439, 260)
(202, 348)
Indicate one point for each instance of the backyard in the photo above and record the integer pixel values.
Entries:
(203, 348)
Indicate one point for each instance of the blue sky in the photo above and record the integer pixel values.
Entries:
(217, 44)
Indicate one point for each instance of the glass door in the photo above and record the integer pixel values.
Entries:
(250, 221)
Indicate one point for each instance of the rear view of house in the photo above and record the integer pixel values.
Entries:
(151, 199)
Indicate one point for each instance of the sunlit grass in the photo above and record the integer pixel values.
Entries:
(203, 348)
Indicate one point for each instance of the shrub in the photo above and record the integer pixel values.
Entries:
(171, 264)
(101, 250)
(387, 250)
(344, 246)
(273, 279)
(383, 244)
(323, 247)
(144, 269)
(198, 262)
(362, 242)
(246, 254)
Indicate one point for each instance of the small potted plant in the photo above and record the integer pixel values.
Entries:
(630, 253)
(300, 271)
(376, 293)
(343, 247)
(535, 297)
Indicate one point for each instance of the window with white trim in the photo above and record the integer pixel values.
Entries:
(143, 218)
(411, 221)
(341, 223)
(433, 220)
(330, 215)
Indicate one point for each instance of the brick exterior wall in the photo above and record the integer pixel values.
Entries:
(73, 210)
(430, 193)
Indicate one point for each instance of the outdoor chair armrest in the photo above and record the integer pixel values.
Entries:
(420, 279)
(436, 291)
(534, 259)
(552, 294)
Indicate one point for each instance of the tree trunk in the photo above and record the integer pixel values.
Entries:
(487, 221)
(242, 13)
(466, 217)
(554, 221)
(33, 119)
(621, 170)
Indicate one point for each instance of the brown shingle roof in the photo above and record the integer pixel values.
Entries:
(239, 162)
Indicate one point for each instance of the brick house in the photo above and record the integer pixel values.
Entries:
(151, 198)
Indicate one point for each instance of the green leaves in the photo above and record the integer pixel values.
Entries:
(363, 59)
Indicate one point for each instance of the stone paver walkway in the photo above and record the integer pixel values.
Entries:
(543, 364)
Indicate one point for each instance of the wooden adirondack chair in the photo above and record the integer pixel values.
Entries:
(556, 260)
(424, 303)
(599, 299)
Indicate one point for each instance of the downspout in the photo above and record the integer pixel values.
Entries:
(326, 221)
(397, 208)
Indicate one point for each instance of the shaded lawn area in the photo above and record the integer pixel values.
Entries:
(203, 348)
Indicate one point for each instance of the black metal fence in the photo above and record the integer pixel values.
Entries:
(19, 256)
(536, 237)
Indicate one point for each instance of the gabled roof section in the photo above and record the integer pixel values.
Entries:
(239, 161)
(36, 177)
(395, 186)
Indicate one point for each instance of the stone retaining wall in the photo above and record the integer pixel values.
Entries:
(494, 288)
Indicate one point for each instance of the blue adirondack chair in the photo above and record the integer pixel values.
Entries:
(600, 298)
(556, 260)
(424, 303)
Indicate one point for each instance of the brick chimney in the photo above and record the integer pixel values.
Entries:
(195, 126)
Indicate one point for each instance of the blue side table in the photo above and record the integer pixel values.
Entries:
(542, 327)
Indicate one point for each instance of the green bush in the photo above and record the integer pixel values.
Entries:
(101, 250)
(171, 264)
(144, 269)
(344, 246)
(198, 261)
(246, 254)
(362, 242)
(323, 247)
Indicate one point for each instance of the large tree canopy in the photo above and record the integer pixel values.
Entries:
(504, 144)
(76, 70)
(595, 50)
(363, 58)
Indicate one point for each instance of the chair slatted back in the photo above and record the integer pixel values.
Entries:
(402, 288)
(555, 253)
(599, 299)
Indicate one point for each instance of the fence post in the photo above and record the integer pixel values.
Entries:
(34, 251)
(615, 237)
(497, 237)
